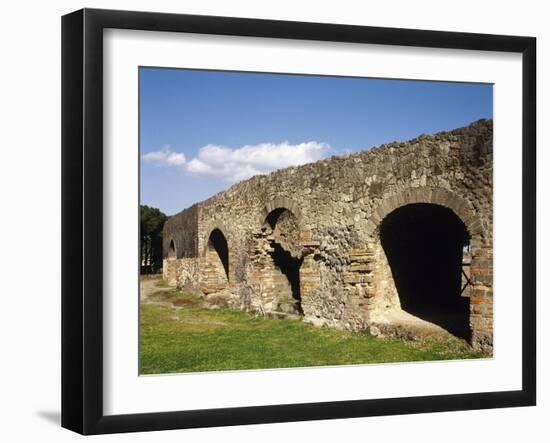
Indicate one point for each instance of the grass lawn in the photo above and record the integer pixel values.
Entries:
(178, 334)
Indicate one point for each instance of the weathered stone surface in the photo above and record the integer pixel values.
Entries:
(321, 222)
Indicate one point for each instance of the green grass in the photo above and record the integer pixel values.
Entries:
(180, 335)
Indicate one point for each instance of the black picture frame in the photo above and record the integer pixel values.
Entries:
(82, 218)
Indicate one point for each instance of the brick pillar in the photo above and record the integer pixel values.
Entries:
(261, 274)
(170, 271)
(212, 272)
(358, 281)
(481, 297)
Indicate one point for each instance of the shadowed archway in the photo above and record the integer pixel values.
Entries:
(216, 262)
(172, 250)
(286, 259)
(424, 244)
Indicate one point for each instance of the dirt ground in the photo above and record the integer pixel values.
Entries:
(148, 287)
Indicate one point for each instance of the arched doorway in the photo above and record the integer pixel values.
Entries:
(216, 262)
(172, 250)
(170, 265)
(284, 259)
(425, 244)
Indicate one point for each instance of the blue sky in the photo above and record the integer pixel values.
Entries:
(201, 131)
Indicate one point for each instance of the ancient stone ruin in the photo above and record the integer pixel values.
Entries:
(396, 240)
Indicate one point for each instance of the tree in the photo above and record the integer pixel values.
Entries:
(151, 223)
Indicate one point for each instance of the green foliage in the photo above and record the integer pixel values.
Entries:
(178, 334)
(151, 222)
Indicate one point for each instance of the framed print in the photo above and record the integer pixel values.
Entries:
(268, 221)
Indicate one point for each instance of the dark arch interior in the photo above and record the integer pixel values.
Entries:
(219, 243)
(424, 245)
(283, 259)
(172, 250)
(273, 216)
(289, 266)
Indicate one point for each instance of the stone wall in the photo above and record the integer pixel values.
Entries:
(182, 229)
(319, 225)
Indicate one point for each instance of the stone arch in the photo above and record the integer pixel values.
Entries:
(280, 257)
(170, 264)
(478, 297)
(280, 202)
(423, 245)
(211, 226)
(172, 252)
(215, 262)
(439, 196)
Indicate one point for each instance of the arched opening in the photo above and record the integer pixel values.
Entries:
(424, 244)
(172, 250)
(216, 262)
(285, 253)
(274, 215)
(218, 244)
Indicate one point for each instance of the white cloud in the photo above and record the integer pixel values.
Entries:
(165, 157)
(238, 164)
